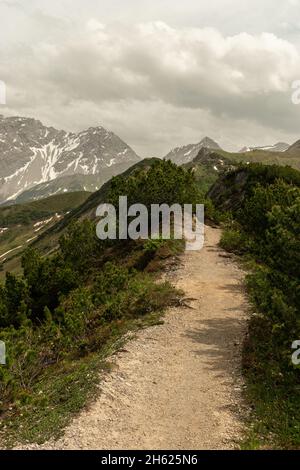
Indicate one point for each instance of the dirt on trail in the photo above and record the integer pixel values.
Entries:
(176, 385)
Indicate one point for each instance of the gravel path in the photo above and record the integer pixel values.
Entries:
(177, 385)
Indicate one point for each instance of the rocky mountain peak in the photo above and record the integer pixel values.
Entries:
(187, 153)
(31, 153)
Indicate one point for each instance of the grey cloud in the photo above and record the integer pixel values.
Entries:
(140, 80)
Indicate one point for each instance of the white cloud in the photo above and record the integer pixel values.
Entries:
(141, 80)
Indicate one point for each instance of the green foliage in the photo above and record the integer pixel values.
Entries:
(79, 325)
(232, 189)
(233, 240)
(69, 305)
(37, 210)
(164, 182)
(47, 279)
(80, 247)
(261, 201)
(268, 174)
(267, 226)
(118, 293)
(14, 297)
(152, 245)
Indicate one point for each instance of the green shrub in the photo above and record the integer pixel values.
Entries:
(80, 323)
(163, 183)
(72, 303)
(233, 240)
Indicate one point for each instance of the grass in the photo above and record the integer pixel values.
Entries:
(65, 389)
(274, 422)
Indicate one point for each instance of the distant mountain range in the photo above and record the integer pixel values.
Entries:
(33, 154)
(38, 161)
(187, 153)
(71, 183)
(279, 147)
(295, 148)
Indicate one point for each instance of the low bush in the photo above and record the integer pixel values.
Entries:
(72, 304)
(266, 225)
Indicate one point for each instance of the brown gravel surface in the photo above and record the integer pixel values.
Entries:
(176, 385)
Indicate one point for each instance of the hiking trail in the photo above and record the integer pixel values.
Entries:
(176, 385)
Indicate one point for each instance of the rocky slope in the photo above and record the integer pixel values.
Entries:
(187, 153)
(70, 184)
(279, 147)
(212, 160)
(31, 154)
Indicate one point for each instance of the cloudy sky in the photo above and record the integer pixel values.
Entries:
(159, 73)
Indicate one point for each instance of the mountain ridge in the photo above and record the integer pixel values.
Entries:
(294, 148)
(278, 147)
(187, 153)
(31, 153)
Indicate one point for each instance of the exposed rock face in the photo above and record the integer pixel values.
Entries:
(294, 148)
(187, 153)
(213, 160)
(279, 147)
(31, 153)
(70, 183)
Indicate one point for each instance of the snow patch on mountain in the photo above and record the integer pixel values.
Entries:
(187, 153)
(279, 147)
(31, 154)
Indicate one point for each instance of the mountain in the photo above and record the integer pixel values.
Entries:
(279, 147)
(31, 154)
(20, 224)
(232, 188)
(204, 166)
(188, 152)
(294, 148)
(70, 183)
(36, 210)
(212, 160)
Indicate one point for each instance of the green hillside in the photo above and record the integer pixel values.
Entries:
(87, 210)
(36, 210)
(75, 295)
(70, 183)
(65, 312)
(262, 207)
